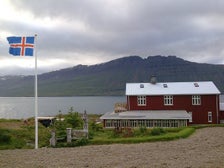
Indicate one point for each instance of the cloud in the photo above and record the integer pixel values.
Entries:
(92, 31)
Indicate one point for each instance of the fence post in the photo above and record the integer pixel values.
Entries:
(53, 138)
(69, 134)
(85, 124)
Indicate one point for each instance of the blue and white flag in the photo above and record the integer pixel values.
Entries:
(21, 46)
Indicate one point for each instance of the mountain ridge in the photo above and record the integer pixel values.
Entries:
(110, 78)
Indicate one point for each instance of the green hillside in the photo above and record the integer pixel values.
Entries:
(110, 78)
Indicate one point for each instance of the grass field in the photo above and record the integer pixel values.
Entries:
(17, 134)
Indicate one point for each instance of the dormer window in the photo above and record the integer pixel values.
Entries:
(141, 85)
(165, 85)
(196, 85)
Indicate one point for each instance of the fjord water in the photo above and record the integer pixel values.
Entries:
(23, 107)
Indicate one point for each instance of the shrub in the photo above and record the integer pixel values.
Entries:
(157, 131)
(90, 134)
(143, 130)
(74, 119)
(127, 132)
(95, 127)
(19, 144)
(78, 142)
(5, 138)
(81, 142)
(116, 133)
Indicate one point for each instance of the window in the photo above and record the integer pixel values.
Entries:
(196, 100)
(168, 100)
(141, 100)
(209, 116)
(190, 113)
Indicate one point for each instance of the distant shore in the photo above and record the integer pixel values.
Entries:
(203, 149)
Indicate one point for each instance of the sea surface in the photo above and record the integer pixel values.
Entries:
(23, 107)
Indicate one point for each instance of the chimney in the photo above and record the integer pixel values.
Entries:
(153, 79)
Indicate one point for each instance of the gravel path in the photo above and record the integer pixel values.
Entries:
(205, 148)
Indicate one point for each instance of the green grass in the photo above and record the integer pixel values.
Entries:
(171, 134)
(15, 134)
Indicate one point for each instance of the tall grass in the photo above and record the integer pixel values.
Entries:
(19, 135)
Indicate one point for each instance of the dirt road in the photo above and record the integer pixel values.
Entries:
(205, 148)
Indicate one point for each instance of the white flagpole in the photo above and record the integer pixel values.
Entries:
(36, 96)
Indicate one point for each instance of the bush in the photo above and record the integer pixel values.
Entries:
(116, 133)
(81, 142)
(127, 132)
(157, 131)
(78, 142)
(143, 130)
(90, 134)
(95, 127)
(74, 119)
(5, 138)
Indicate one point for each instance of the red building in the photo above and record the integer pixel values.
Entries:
(167, 104)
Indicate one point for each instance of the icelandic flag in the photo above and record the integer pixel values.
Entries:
(21, 46)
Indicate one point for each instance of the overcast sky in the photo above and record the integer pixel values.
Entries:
(72, 32)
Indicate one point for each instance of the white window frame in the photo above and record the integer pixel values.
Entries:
(209, 116)
(168, 100)
(141, 100)
(190, 120)
(196, 100)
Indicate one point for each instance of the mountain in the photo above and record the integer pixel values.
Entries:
(110, 78)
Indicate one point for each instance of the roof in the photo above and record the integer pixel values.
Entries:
(172, 88)
(152, 114)
(46, 118)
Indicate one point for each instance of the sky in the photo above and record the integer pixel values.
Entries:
(88, 32)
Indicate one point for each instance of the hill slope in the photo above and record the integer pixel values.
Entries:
(110, 78)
